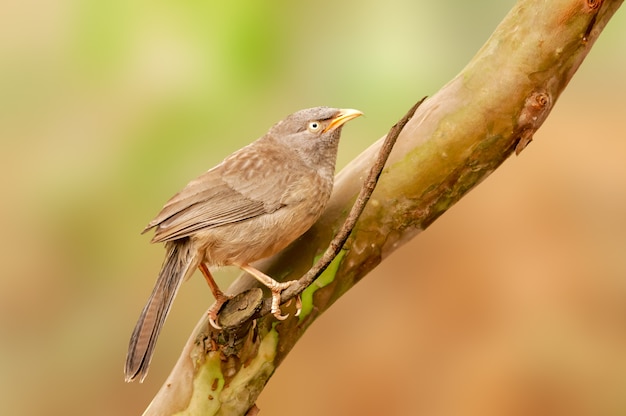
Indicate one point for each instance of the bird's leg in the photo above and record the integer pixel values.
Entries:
(275, 287)
(220, 297)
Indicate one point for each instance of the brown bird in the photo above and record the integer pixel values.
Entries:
(252, 205)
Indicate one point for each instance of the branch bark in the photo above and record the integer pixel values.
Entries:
(454, 140)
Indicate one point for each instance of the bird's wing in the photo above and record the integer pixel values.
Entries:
(236, 190)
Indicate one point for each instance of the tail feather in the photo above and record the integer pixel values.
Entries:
(179, 262)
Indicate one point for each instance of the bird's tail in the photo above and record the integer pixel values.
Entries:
(179, 262)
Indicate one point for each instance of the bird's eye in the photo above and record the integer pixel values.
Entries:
(314, 126)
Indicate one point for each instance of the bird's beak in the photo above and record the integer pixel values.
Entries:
(341, 118)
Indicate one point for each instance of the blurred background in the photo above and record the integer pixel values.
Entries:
(513, 302)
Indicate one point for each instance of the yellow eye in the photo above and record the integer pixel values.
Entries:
(314, 126)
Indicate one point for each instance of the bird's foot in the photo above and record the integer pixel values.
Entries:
(220, 300)
(298, 305)
(220, 297)
(277, 289)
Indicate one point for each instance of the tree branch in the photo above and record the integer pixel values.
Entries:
(454, 140)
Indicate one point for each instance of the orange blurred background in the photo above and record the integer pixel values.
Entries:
(513, 302)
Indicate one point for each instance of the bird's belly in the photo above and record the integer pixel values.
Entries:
(254, 239)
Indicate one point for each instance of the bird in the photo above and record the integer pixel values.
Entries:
(250, 206)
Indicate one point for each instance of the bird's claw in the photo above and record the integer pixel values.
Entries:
(276, 292)
(298, 305)
(213, 321)
(220, 300)
(278, 315)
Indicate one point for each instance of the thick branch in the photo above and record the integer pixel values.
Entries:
(454, 140)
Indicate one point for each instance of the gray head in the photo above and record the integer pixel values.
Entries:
(313, 132)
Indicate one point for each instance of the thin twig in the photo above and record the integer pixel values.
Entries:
(342, 236)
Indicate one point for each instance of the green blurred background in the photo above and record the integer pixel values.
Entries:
(514, 302)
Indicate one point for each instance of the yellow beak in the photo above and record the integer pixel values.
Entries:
(341, 118)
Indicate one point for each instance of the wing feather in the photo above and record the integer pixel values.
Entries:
(236, 190)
